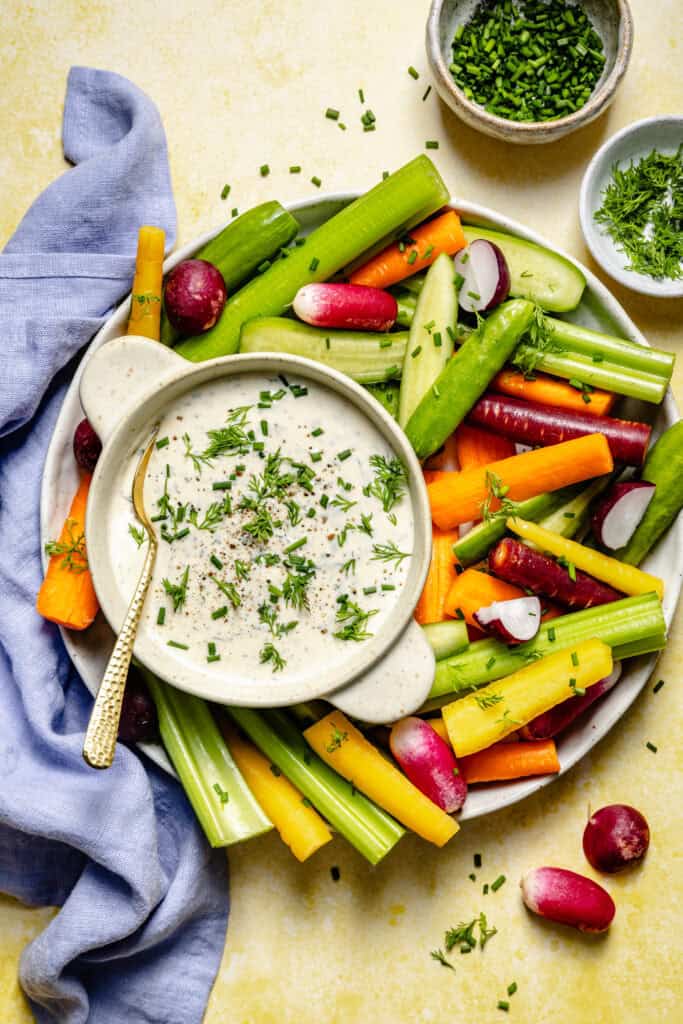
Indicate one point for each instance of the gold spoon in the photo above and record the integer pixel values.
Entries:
(103, 727)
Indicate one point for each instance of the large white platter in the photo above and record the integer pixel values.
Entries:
(599, 309)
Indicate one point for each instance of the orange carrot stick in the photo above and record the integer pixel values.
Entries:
(472, 590)
(67, 595)
(446, 457)
(551, 391)
(430, 607)
(442, 234)
(458, 497)
(477, 447)
(510, 761)
(430, 475)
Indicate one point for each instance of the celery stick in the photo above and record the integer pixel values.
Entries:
(624, 353)
(242, 246)
(576, 366)
(634, 625)
(362, 823)
(573, 515)
(388, 210)
(476, 544)
(221, 799)
(368, 358)
(446, 638)
(386, 394)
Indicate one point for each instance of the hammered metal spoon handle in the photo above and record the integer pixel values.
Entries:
(100, 738)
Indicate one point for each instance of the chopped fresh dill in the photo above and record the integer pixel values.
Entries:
(177, 591)
(73, 548)
(230, 591)
(353, 620)
(389, 552)
(488, 700)
(337, 737)
(270, 654)
(138, 535)
(389, 483)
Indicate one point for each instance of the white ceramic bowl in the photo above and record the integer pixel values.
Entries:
(598, 309)
(631, 143)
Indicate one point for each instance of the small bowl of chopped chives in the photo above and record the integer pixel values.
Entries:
(631, 206)
(528, 71)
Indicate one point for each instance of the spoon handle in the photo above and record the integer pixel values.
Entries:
(103, 727)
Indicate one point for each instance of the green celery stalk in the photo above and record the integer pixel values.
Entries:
(405, 305)
(362, 823)
(386, 394)
(571, 517)
(620, 351)
(446, 638)
(387, 211)
(611, 376)
(205, 767)
(634, 625)
(366, 357)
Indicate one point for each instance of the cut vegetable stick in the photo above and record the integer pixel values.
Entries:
(459, 497)
(67, 595)
(626, 578)
(520, 565)
(345, 749)
(510, 761)
(549, 391)
(472, 590)
(533, 424)
(446, 458)
(299, 825)
(431, 606)
(483, 718)
(145, 299)
(430, 475)
(477, 447)
(446, 638)
(443, 234)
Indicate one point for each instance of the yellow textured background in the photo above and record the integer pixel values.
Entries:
(244, 82)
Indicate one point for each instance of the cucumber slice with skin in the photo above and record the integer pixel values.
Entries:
(430, 342)
(536, 273)
(663, 468)
(368, 358)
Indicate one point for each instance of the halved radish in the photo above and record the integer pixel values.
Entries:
(514, 621)
(429, 763)
(618, 514)
(351, 306)
(486, 276)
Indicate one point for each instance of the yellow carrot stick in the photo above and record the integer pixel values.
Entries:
(145, 300)
(485, 717)
(300, 826)
(345, 749)
(626, 578)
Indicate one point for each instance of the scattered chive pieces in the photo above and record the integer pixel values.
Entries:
(220, 613)
(385, 343)
(216, 561)
(485, 888)
(491, 662)
(317, 432)
(477, 860)
(385, 175)
(416, 351)
(296, 544)
(335, 873)
(503, 1005)
(325, 500)
(163, 442)
(182, 533)
(331, 114)
(412, 257)
(161, 616)
(512, 988)
(314, 264)
(295, 169)
(369, 590)
(343, 456)
(388, 586)
(495, 886)
(551, 635)
(413, 72)
(221, 485)
(361, 96)
(174, 643)
(658, 685)
(264, 170)
(427, 92)
(222, 794)
(234, 212)
(315, 180)
(472, 877)
(575, 658)
(431, 144)
(651, 746)
(340, 124)
(211, 647)
(316, 456)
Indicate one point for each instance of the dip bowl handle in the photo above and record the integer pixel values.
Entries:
(396, 686)
(119, 373)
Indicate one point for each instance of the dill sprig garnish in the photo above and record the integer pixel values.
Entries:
(230, 591)
(213, 516)
(389, 552)
(138, 535)
(390, 482)
(488, 700)
(270, 653)
(300, 573)
(73, 548)
(538, 341)
(495, 492)
(177, 591)
(355, 619)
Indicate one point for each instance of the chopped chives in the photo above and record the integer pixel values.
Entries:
(262, 267)
(220, 613)
(316, 456)
(295, 169)
(315, 180)
(311, 513)
(427, 92)
(485, 888)
(651, 746)
(436, 338)
(385, 343)
(388, 586)
(361, 96)
(413, 72)
(264, 427)
(211, 647)
(317, 432)
(314, 264)
(431, 144)
(225, 192)
(161, 616)
(331, 114)
(412, 257)
(264, 170)
(472, 877)
(551, 635)
(503, 1005)
(213, 657)
(416, 351)
(477, 860)
(658, 685)
(346, 454)
(428, 252)
(495, 886)
(369, 590)
(234, 212)
(215, 560)
(174, 643)
(340, 124)
(295, 545)
(221, 485)
(385, 175)
(512, 988)
(163, 442)
(183, 533)
(575, 658)
(324, 500)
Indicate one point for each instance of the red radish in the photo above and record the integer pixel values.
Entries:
(429, 763)
(87, 446)
(486, 276)
(514, 621)
(534, 424)
(615, 837)
(194, 296)
(568, 898)
(517, 563)
(353, 306)
(559, 718)
(618, 514)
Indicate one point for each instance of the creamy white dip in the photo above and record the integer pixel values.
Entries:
(307, 473)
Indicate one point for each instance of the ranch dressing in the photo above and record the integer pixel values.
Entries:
(284, 542)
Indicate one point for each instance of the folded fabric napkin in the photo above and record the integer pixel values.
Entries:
(144, 901)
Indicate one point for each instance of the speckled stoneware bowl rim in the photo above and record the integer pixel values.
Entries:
(608, 257)
(166, 377)
(533, 131)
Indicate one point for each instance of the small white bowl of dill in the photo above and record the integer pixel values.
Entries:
(631, 206)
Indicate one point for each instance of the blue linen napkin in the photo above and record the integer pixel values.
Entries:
(144, 901)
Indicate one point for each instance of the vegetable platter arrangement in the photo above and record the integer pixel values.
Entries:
(547, 496)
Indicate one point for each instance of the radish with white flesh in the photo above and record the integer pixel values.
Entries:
(514, 621)
(523, 566)
(429, 763)
(559, 718)
(568, 898)
(485, 274)
(535, 424)
(617, 516)
(194, 296)
(615, 837)
(356, 307)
